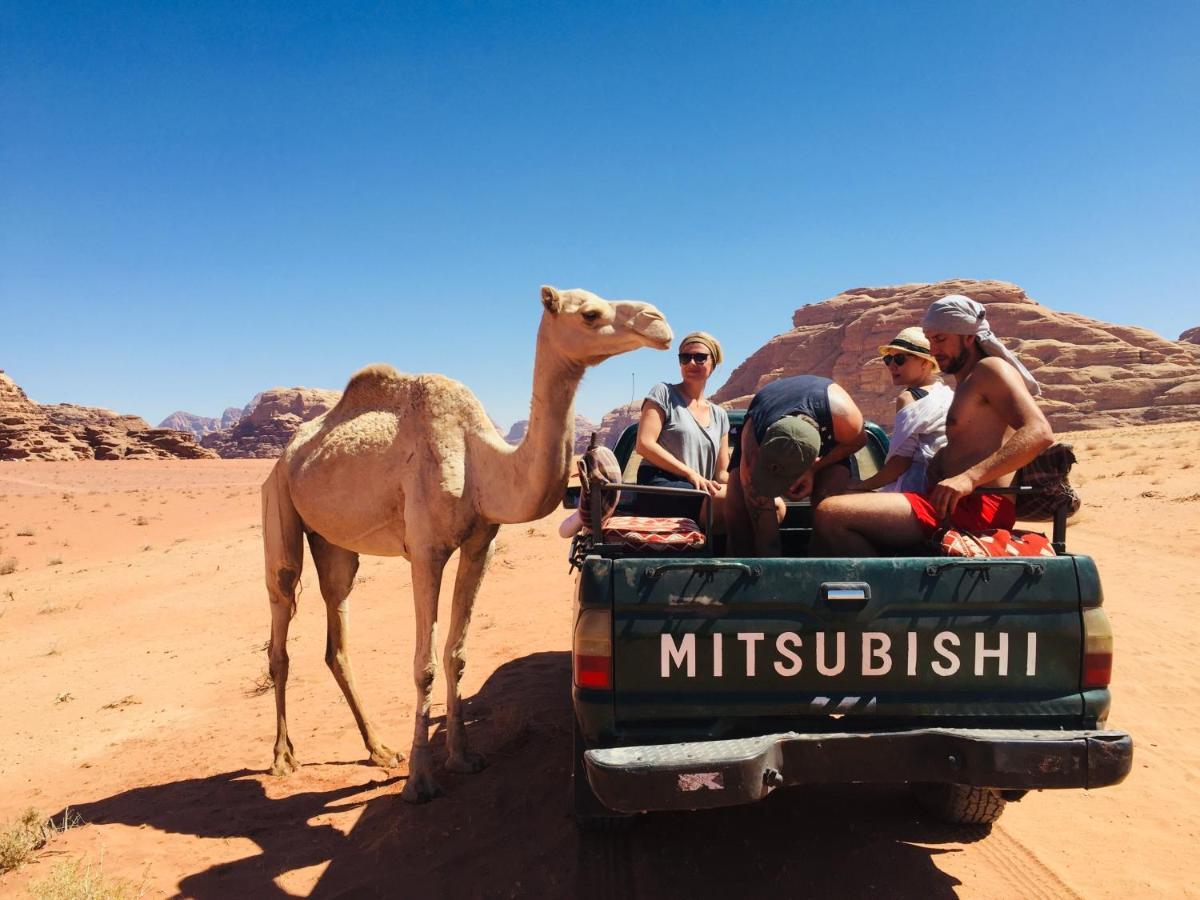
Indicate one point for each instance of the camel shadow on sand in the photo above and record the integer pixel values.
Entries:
(507, 831)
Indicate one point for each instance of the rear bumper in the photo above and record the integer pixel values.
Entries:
(726, 773)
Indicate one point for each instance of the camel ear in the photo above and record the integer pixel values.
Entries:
(550, 299)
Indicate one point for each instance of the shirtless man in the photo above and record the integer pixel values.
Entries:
(797, 440)
(993, 428)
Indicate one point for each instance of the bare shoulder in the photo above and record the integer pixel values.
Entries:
(840, 402)
(903, 399)
(993, 376)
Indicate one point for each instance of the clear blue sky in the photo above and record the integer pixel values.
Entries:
(202, 200)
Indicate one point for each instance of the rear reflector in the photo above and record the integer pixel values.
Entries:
(1097, 649)
(593, 649)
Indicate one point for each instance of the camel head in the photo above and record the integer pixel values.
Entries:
(587, 329)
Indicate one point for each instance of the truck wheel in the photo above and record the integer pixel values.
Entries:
(590, 814)
(961, 804)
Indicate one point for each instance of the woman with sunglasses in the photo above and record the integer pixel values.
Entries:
(683, 439)
(920, 427)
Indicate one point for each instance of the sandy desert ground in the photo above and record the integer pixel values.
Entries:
(133, 665)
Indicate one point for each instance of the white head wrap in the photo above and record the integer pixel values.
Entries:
(956, 314)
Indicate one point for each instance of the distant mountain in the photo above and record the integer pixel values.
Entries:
(185, 421)
(66, 431)
(617, 420)
(583, 432)
(268, 422)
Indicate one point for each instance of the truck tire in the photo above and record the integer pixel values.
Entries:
(961, 804)
(590, 814)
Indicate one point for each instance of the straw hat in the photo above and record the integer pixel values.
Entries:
(911, 340)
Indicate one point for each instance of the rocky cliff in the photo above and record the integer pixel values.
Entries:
(617, 420)
(65, 431)
(269, 422)
(1093, 374)
(1191, 336)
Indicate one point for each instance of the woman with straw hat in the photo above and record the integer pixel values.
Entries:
(920, 427)
(683, 439)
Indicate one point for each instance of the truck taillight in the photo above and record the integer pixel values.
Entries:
(1097, 649)
(593, 649)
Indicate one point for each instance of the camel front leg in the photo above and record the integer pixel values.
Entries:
(427, 571)
(472, 563)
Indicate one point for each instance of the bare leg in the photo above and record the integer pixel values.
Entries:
(336, 568)
(283, 552)
(863, 524)
(752, 522)
(472, 563)
(427, 567)
(829, 482)
(738, 526)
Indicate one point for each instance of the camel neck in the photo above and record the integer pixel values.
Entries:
(529, 482)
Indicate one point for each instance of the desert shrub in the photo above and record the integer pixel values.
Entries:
(25, 532)
(141, 520)
(28, 833)
(54, 561)
(80, 879)
(8, 565)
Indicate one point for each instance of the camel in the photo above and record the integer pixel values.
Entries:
(410, 465)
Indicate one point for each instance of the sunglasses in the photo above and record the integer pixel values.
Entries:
(897, 358)
(698, 358)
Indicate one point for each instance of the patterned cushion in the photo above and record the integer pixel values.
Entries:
(994, 542)
(650, 533)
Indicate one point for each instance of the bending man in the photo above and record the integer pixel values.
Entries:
(993, 428)
(797, 440)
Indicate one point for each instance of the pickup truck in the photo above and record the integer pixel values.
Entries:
(701, 680)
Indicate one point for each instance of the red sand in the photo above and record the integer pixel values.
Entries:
(131, 669)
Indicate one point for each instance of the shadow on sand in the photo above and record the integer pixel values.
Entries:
(507, 831)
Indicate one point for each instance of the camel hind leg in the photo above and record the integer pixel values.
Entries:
(336, 568)
(472, 564)
(283, 551)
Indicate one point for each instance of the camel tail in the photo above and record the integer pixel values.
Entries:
(283, 533)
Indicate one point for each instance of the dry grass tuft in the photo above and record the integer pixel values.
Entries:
(80, 879)
(262, 684)
(25, 532)
(129, 700)
(8, 565)
(54, 561)
(141, 520)
(28, 833)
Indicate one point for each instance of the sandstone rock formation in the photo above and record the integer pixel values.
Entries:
(1093, 374)
(269, 422)
(1191, 336)
(617, 420)
(583, 432)
(65, 431)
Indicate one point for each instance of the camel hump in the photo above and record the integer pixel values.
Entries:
(379, 386)
(372, 384)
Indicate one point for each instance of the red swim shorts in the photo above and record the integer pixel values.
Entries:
(974, 512)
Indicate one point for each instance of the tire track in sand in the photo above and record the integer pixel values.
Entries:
(1026, 875)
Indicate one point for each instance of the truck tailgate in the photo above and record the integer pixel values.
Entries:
(932, 638)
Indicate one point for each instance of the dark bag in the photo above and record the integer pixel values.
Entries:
(1047, 475)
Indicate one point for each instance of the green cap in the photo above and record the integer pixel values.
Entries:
(788, 450)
